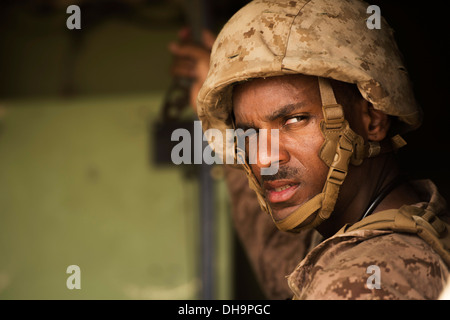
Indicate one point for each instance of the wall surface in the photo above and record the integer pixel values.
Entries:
(78, 182)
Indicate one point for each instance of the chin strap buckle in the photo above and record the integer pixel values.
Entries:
(339, 166)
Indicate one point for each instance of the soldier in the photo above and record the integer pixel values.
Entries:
(339, 96)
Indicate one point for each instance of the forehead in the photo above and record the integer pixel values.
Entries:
(297, 81)
(258, 95)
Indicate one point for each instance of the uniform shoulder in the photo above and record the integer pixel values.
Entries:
(370, 264)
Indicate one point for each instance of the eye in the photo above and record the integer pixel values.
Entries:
(295, 119)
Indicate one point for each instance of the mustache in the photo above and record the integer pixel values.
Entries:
(283, 173)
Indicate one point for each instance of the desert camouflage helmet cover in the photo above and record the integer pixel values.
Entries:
(324, 38)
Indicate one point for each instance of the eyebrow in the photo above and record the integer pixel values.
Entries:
(277, 114)
(285, 110)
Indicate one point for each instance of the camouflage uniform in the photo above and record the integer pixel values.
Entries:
(445, 294)
(327, 39)
(336, 268)
(409, 267)
(273, 254)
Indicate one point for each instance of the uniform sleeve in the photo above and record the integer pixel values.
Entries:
(273, 254)
(387, 266)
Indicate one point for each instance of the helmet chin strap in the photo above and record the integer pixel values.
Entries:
(341, 147)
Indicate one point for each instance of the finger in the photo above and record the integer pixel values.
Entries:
(184, 34)
(183, 71)
(188, 51)
(184, 63)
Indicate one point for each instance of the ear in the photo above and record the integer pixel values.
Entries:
(377, 124)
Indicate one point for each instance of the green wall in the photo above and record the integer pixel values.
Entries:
(77, 187)
(77, 184)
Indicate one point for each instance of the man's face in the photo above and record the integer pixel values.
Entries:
(292, 105)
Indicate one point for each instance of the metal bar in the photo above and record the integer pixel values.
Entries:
(197, 18)
(207, 232)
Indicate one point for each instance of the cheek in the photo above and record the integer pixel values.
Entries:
(304, 149)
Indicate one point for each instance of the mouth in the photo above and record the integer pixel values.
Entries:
(280, 191)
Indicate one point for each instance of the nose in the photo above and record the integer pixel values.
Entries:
(269, 161)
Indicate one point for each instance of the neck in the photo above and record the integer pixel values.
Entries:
(362, 185)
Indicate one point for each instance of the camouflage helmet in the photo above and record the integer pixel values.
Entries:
(323, 38)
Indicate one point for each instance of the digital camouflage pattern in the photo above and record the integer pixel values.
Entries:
(338, 268)
(409, 267)
(445, 295)
(329, 39)
(325, 38)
